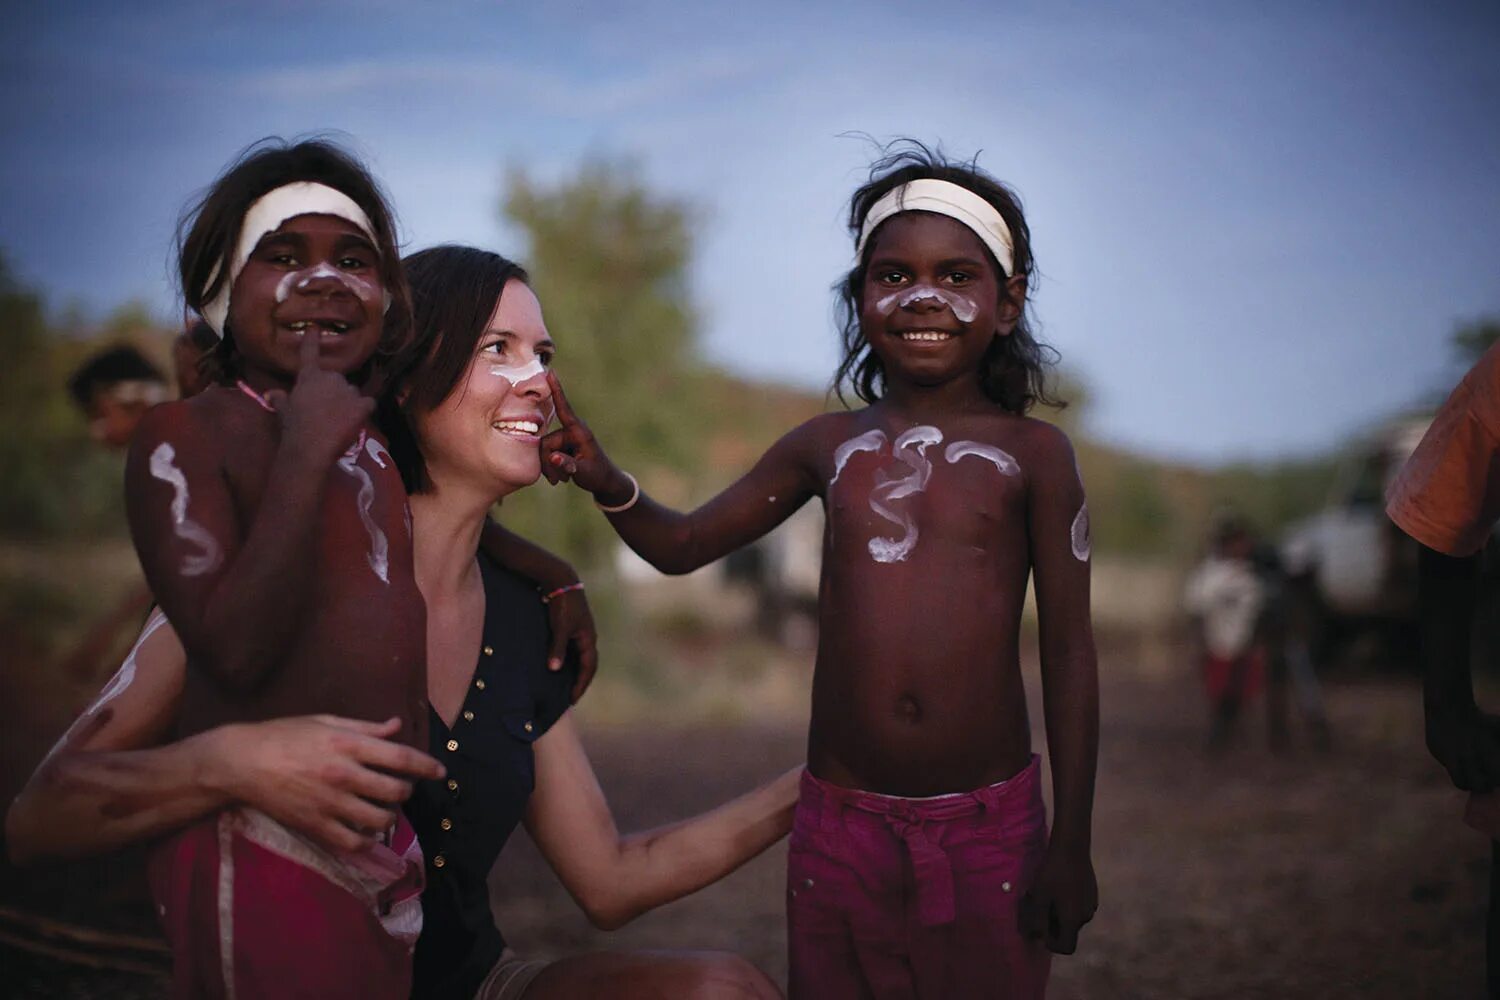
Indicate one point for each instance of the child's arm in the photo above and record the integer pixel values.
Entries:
(109, 784)
(1464, 740)
(615, 878)
(675, 542)
(1065, 893)
(236, 593)
(568, 615)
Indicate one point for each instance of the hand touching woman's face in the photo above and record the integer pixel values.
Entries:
(485, 433)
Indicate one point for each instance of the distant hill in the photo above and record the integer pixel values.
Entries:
(1140, 506)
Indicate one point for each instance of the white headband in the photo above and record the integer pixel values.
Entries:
(928, 194)
(265, 215)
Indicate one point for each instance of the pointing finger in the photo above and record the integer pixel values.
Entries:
(309, 349)
(565, 415)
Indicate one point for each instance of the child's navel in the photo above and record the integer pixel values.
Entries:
(908, 709)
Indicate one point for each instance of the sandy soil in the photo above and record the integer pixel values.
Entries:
(1245, 875)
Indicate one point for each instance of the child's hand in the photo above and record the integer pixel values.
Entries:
(573, 635)
(338, 781)
(571, 453)
(1467, 744)
(1061, 900)
(323, 412)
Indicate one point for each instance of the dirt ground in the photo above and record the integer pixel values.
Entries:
(1251, 874)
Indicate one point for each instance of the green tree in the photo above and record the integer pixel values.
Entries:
(55, 482)
(609, 262)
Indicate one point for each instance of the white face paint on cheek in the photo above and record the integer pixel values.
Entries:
(516, 374)
(963, 308)
(164, 467)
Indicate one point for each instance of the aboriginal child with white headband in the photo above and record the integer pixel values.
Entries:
(273, 529)
(921, 864)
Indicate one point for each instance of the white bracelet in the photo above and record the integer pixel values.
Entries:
(635, 494)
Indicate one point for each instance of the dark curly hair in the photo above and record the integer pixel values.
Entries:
(1013, 372)
(454, 292)
(210, 228)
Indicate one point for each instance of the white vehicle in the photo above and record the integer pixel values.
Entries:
(1355, 569)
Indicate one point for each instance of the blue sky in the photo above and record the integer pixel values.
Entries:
(1256, 224)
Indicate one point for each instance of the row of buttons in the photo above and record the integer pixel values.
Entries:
(446, 824)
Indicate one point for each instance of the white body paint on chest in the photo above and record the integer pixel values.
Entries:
(1002, 461)
(115, 686)
(910, 449)
(164, 467)
(516, 374)
(963, 307)
(868, 441)
(379, 556)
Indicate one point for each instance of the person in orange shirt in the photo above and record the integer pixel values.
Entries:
(1447, 497)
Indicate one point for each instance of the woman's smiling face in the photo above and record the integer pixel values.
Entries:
(485, 433)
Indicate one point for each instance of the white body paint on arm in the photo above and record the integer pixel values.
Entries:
(379, 554)
(1079, 537)
(164, 467)
(114, 687)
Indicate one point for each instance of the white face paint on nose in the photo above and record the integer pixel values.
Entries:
(516, 374)
(965, 309)
(356, 286)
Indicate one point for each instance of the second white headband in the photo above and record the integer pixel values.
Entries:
(265, 215)
(928, 194)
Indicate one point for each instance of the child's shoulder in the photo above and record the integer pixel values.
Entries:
(209, 421)
(817, 435)
(1030, 439)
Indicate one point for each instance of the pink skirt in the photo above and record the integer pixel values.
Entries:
(252, 909)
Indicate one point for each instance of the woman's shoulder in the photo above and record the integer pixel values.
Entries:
(517, 634)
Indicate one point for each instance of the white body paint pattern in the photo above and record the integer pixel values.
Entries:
(516, 374)
(379, 556)
(963, 307)
(164, 467)
(910, 449)
(357, 286)
(1079, 537)
(1003, 462)
(868, 441)
(116, 684)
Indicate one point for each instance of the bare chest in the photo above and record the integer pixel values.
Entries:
(921, 493)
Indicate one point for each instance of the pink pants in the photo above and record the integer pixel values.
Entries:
(252, 910)
(890, 897)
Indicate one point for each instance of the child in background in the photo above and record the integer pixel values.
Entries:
(1447, 497)
(273, 530)
(1226, 596)
(920, 860)
(115, 389)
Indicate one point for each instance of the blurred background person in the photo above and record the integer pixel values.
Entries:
(114, 389)
(1225, 597)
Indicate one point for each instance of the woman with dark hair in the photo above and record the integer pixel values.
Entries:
(470, 398)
